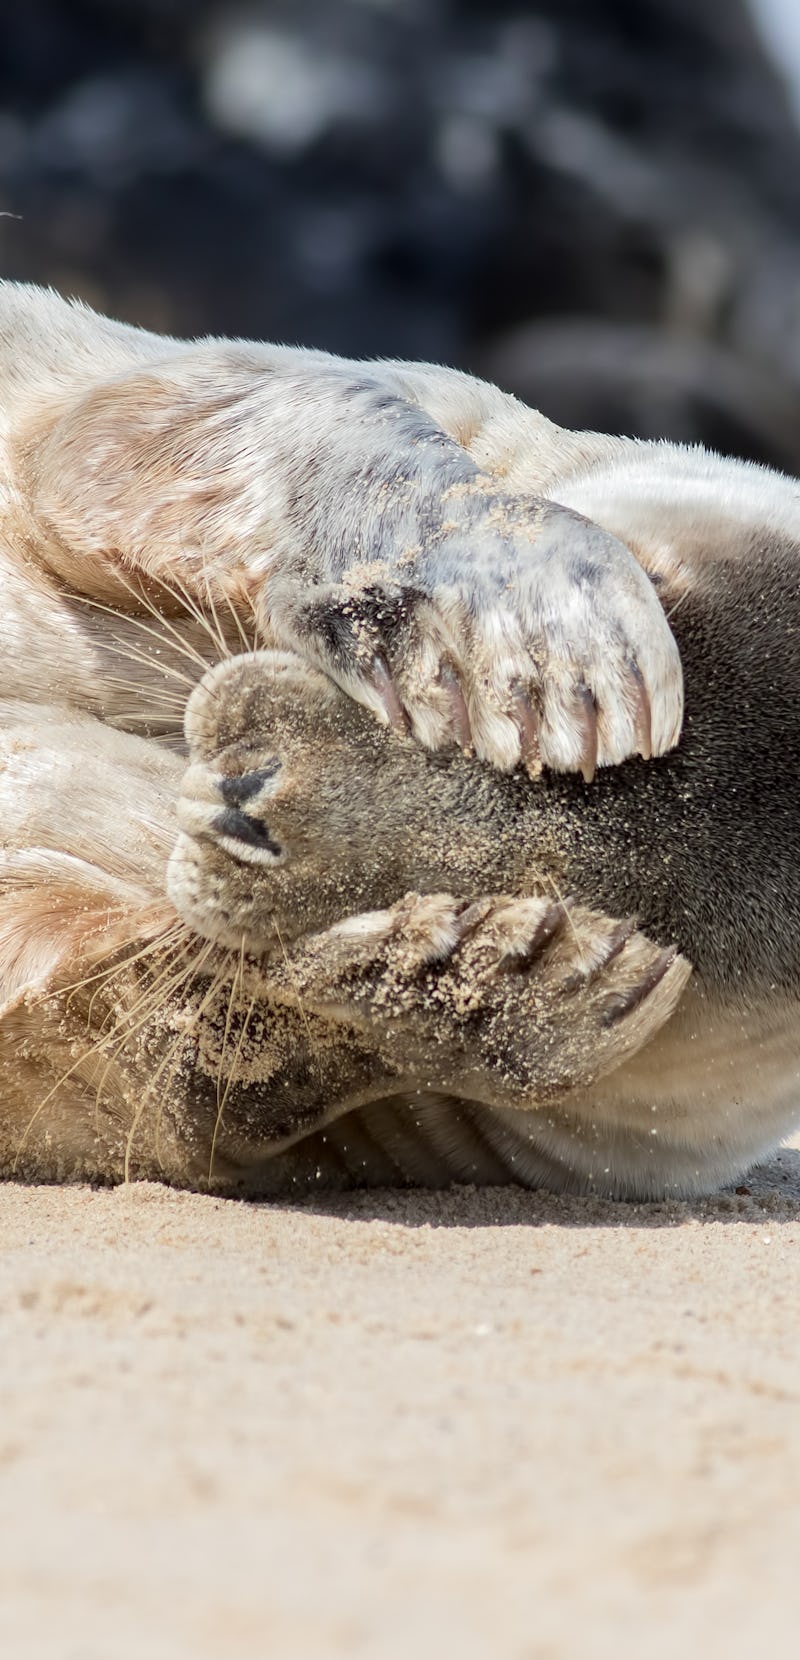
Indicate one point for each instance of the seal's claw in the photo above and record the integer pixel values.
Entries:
(586, 716)
(643, 718)
(517, 629)
(508, 1000)
(396, 715)
(529, 726)
(624, 1003)
(459, 712)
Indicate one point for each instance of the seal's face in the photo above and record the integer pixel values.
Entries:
(276, 838)
(298, 810)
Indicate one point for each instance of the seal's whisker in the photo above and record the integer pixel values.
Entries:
(199, 604)
(199, 608)
(167, 942)
(85, 1055)
(215, 985)
(174, 1048)
(222, 1094)
(232, 996)
(567, 909)
(249, 645)
(175, 741)
(187, 1028)
(296, 988)
(257, 634)
(133, 654)
(232, 1073)
(102, 1040)
(222, 643)
(165, 622)
(181, 646)
(167, 696)
(678, 603)
(60, 1081)
(101, 974)
(158, 991)
(189, 603)
(150, 986)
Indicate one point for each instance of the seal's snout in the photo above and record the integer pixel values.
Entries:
(230, 808)
(245, 836)
(238, 790)
(246, 833)
(258, 702)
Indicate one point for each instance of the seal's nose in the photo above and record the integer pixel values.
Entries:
(246, 831)
(211, 808)
(235, 791)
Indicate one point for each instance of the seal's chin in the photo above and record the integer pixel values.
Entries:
(227, 846)
(213, 892)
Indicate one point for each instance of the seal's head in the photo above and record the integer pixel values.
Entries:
(297, 809)
(276, 834)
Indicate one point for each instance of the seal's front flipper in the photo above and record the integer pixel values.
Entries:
(508, 1001)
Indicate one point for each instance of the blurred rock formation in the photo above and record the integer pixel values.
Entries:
(595, 201)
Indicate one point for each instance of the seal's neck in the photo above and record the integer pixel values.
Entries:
(714, 858)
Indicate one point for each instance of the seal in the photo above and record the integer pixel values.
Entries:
(353, 828)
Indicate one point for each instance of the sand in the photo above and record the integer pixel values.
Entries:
(474, 1424)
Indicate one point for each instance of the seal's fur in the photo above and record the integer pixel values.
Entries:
(314, 948)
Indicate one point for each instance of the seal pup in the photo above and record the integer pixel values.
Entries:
(182, 999)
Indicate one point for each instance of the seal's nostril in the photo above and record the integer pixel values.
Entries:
(241, 827)
(235, 791)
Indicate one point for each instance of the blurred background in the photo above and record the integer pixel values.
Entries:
(594, 202)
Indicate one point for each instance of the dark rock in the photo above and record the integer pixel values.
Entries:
(597, 201)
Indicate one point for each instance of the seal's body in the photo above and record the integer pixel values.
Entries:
(249, 933)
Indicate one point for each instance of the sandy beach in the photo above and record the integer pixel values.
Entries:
(479, 1423)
